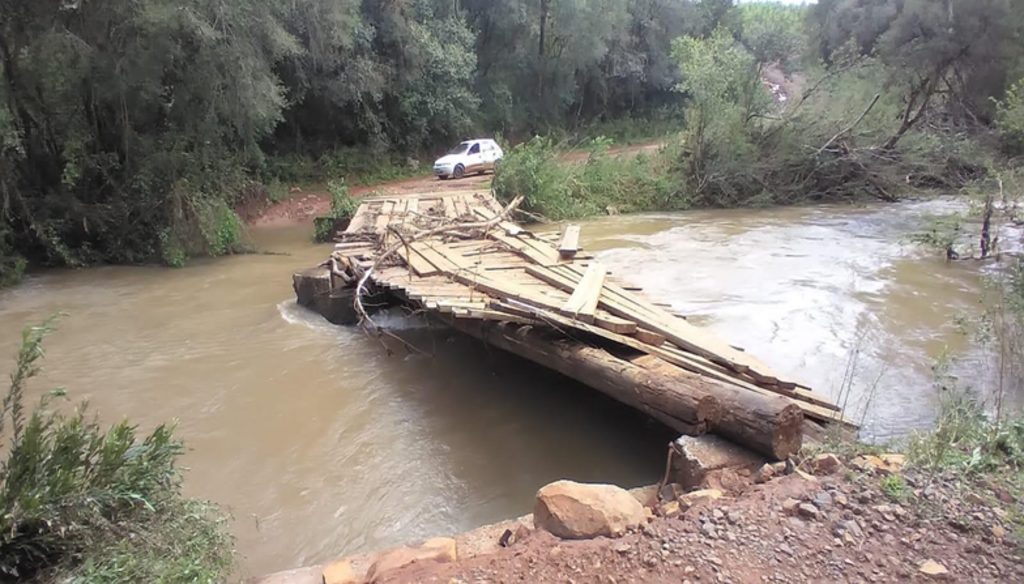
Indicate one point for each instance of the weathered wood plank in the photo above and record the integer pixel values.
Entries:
(570, 242)
(583, 301)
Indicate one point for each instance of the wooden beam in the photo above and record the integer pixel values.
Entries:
(583, 302)
(570, 242)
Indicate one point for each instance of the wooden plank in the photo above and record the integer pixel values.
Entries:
(687, 336)
(570, 242)
(809, 410)
(384, 218)
(359, 220)
(417, 262)
(583, 301)
(449, 208)
(543, 258)
(815, 398)
(649, 338)
(614, 324)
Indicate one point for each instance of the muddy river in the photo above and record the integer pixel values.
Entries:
(321, 445)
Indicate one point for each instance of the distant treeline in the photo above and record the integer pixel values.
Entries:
(129, 129)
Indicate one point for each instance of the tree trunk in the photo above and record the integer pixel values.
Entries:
(540, 45)
(923, 92)
(684, 401)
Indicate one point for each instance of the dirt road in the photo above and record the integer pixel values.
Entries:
(302, 206)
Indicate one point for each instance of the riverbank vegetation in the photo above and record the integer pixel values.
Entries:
(129, 131)
(885, 98)
(82, 504)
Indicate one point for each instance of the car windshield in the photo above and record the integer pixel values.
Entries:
(460, 149)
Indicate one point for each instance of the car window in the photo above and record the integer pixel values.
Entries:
(461, 148)
(475, 149)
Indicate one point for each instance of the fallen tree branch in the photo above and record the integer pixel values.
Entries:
(851, 127)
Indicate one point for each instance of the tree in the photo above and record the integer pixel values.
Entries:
(724, 97)
(127, 123)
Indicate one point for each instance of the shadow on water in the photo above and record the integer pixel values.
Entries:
(419, 446)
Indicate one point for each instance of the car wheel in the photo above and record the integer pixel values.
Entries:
(459, 171)
(494, 167)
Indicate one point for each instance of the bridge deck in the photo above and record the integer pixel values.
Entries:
(455, 257)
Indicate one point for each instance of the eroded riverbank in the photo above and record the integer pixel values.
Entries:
(320, 445)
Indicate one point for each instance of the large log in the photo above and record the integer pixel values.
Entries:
(765, 423)
(682, 400)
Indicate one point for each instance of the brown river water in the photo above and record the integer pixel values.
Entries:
(320, 445)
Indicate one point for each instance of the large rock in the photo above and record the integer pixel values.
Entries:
(577, 511)
(709, 462)
(439, 549)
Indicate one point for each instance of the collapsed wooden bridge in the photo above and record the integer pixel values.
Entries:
(458, 257)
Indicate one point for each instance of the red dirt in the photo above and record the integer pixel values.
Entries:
(302, 207)
(855, 535)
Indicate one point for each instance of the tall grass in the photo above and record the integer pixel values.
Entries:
(84, 504)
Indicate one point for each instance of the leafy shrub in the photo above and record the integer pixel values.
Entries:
(964, 439)
(894, 487)
(1010, 118)
(102, 506)
(12, 265)
(559, 190)
(343, 208)
(172, 252)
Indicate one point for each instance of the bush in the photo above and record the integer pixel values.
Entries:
(1010, 119)
(100, 506)
(12, 265)
(343, 208)
(604, 183)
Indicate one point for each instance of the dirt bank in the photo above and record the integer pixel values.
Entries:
(839, 526)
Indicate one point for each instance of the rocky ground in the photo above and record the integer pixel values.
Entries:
(858, 520)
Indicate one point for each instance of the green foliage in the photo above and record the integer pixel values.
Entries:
(102, 506)
(343, 208)
(355, 165)
(964, 439)
(894, 486)
(12, 265)
(605, 183)
(129, 128)
(1010, 118)
(172, 252)
(125, 118)
(220, 226)
(943, 234)
(773, 33)
(725, 98)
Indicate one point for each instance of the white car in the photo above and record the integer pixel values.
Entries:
(470, 156)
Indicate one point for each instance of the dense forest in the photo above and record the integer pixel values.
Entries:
(129, 130)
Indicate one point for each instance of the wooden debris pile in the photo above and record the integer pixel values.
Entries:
(459, 257)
